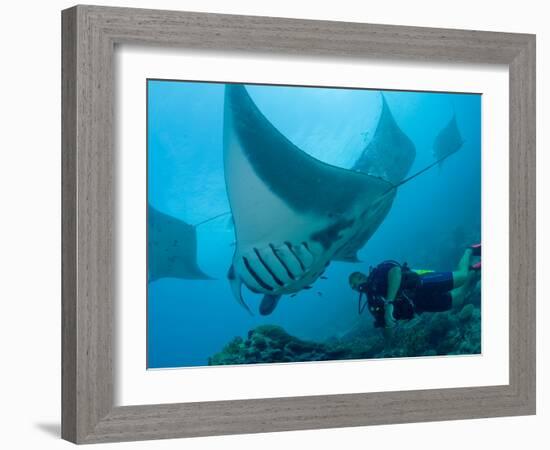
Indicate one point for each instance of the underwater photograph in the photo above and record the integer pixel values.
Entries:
(294, 224)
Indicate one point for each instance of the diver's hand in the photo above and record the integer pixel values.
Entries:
(390, 322)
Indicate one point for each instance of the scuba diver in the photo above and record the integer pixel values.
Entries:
(396, 292)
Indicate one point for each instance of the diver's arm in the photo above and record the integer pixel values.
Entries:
(394, 282)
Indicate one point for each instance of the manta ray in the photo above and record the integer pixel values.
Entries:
(448, 141)
(172, 248)
(390, 153)
(294, 214)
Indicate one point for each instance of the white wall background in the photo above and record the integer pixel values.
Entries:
(30, 222)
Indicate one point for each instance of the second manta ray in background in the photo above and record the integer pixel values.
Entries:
(293, 214)
(448, 141)
(172, 248)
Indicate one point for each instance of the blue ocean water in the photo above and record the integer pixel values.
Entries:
(431, 219)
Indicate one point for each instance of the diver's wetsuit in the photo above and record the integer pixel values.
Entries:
(419, 291)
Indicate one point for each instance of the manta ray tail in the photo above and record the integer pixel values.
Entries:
(447, 143)
(210, 219)
(425, 169)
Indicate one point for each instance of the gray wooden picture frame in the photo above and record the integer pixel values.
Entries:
(90, 34)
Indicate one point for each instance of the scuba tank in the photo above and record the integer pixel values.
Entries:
(376, 287)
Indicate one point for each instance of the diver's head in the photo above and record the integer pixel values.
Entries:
(357, 279)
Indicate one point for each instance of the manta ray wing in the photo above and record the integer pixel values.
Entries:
(348, 253)
(292, 212)
(172, 248)
(390, 153)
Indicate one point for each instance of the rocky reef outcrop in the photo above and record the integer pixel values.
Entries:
(429, 334)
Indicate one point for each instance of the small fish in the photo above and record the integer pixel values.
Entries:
(324, 278)
(320, 294)
(293, 295)
(307, 287)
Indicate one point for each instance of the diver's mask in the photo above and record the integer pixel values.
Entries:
(357, 280)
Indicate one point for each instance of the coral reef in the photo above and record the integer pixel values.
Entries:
(268, 343)
(429, 334)
(446, 333)
(272, 344)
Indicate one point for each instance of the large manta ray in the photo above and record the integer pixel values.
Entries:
(293, 214)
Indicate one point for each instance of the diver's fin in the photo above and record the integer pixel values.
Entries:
(236, 285)
(476, 249)
(268, 304)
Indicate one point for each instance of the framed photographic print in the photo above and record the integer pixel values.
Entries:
(288, 213)
(267, 222)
